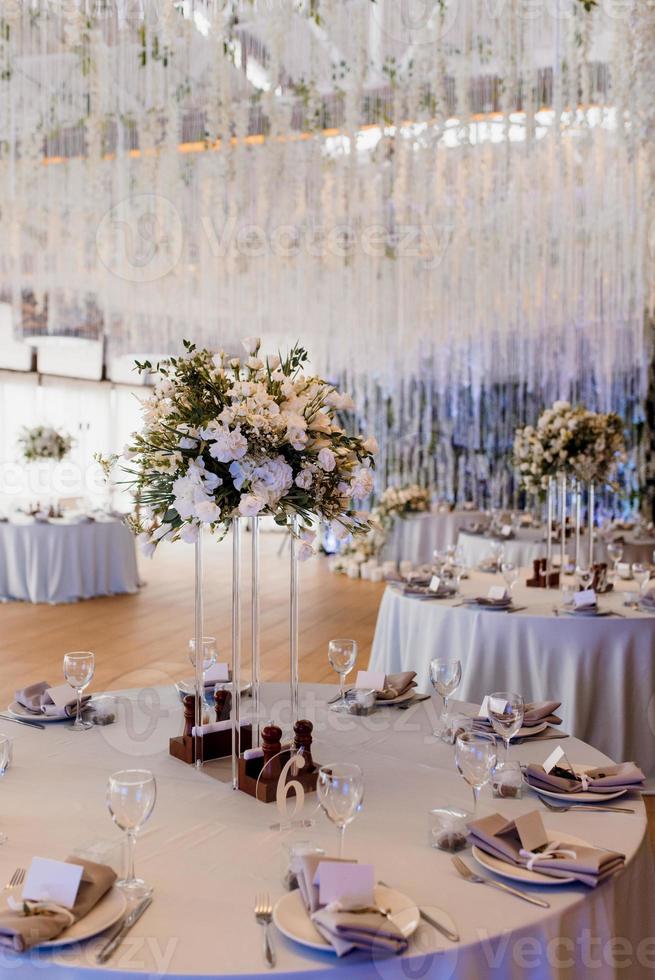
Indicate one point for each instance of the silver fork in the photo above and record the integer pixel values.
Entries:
(585, 806)
(264, 915)
(16, 880)
(476, 879)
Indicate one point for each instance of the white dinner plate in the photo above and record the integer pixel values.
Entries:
(17, 710)
(407, 696)
(525, 732)
(291, 918)
(515, 873)
(592, 613)
(579, 797)
(108, 911)
(472, 604)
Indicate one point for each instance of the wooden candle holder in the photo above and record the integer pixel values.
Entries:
(259, 777)
(540, 579)
(215, 745)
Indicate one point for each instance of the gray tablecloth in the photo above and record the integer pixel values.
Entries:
(416, 537)
(55, 563)
(603, 669)
(208, 850)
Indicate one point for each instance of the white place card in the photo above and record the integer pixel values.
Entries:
(217, 674)
(371, 679)
(582, 600)
(506, 530)
(484, 707)
(349, 884)
(52, 881)
(435, 582)
(497, 592)
(62, 695)
(554, 759)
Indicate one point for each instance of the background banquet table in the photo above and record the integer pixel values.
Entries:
(603, 669)
(62, 562)
(416, 537)
(208, 850)
(526, 545)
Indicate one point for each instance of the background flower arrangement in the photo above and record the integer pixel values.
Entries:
(569, 441)
(44, 442)
(228, 437)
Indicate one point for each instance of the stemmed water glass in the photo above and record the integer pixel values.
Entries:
(340, 791)
(505, 712)
(584, 576)
(615, 552)
(641, 573)
(475, 758)
(445, 677)
(131, 795)
(79, 668)
(342, 655)
(209, 653)
(510, 573)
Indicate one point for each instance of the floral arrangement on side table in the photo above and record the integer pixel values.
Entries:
(568, 441)
(228, 437)
(44, 442)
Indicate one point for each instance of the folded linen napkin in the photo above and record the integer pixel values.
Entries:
(35, 698)
(536, 712)
(20, 932)
(346, 930)
(394, 687)
(498, 836)
(494, 603)
(604, 779)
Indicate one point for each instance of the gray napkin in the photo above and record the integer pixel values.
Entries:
(346, 931)
(536, 712)
(604, 779)
(20, 932)
(35, 698)
(498, 836)
(395, 686)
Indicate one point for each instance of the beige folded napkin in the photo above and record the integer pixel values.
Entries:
(346, 930)
(604, 779)
(35, 698)
(486, 601)
(20, 932)
(395, 686)
(498, 836)
(536, 712)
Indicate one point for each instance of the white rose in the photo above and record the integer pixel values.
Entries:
(273, 361)
(304, 480)
(304, 552)
(254, 363)
(250, 505)
(251, 344)
(146, 545)
(228, 445)
(327, 460)
(320, 423)
(362, 483)
(189, 533)
(371, 445)
(207, 511)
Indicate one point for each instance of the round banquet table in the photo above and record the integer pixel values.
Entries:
(602, 669)
(416, 537)
(57, 562)
(207, 851)
(522, 549)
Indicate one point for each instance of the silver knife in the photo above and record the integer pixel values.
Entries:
(444, 930)
(24, 721)
(130, 919)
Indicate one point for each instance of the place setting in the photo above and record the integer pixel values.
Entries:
(372, 689)
(41, 704)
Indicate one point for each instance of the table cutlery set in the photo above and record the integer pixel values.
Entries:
(121, 930)
(463, 869)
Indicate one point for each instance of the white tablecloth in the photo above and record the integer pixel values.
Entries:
(208, 851)
(521, 549)
(603, 669)
(416, 537)
(54, 563)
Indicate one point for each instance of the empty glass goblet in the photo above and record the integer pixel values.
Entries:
(510, 573)
(445, 677)
(342, 655)
(505, 711)
(131, 795)
(475, 758)
(641, 574)
(209, 652)
(79, 668)
(615, 553)
(340, 791)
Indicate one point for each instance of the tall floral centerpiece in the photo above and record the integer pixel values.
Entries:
(43, 447)
(226, 438)
(569, 443)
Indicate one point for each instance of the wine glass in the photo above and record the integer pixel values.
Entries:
(342, 655)
(6, 753)
(475, 758)
(209, 653)
(340, 791)
(641, 574)
(510, 573)
(505, 712)
(131, 795)
(445, 677)
(584, 576)
(615, 552)
(79, 668)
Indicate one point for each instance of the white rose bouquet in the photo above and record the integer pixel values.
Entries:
(568, 441)
(232, 437)
(400, 501)
(44, 442)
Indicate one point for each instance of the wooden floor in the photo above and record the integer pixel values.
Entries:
(142, 639)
